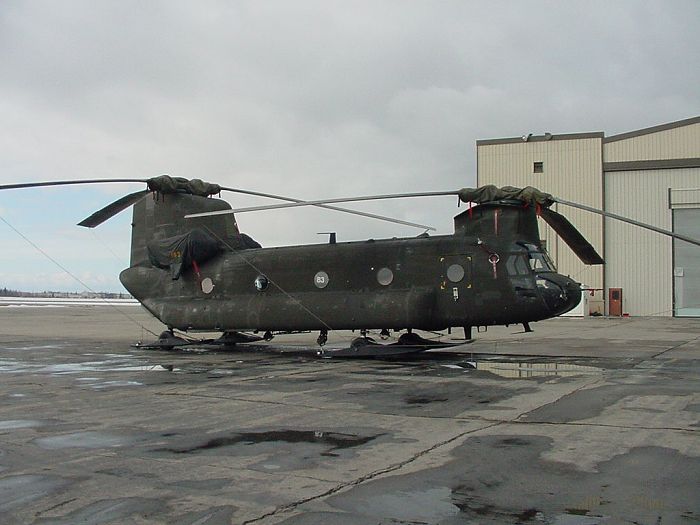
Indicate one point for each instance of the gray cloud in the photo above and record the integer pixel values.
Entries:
(322, 98)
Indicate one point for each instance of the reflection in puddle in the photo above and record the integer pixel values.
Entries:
(113, 384)
(526, 369)
(117, 363)
(576, 519)
(99, 366)
(430, 505)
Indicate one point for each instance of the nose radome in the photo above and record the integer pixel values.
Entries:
(559, 292)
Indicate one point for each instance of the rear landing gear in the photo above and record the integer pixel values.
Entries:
(468, 333)
(322, 337)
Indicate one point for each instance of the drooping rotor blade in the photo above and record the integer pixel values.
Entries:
(301, 202)
(64, 183)
(678, 236)
(100, 216)
(322, 203)
(113, 208)
(571, 236)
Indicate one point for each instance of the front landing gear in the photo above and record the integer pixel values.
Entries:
(322, 337)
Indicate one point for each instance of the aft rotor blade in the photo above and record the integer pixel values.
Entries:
(334, 208)
(678, 236)
(112, 209)
(322, 203)
(567, 231)
(65, 183)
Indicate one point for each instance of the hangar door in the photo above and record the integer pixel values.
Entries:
(686, 257)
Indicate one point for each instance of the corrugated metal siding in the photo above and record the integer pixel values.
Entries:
(638, 260)
(677, 143)
(572, 171)
(685, 198)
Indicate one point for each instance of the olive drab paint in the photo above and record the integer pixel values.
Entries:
(492, 270)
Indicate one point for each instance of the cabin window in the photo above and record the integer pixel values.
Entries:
(261, 283)
(385, 276)
(538, 167)
(455, 273)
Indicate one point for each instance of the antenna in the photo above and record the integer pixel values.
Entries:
(331, 236)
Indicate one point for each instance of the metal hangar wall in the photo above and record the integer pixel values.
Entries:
(651, 175)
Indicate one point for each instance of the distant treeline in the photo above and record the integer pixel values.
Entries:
(4, 292)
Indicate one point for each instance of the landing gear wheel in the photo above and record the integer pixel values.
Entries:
(166, 338)
(322, 337)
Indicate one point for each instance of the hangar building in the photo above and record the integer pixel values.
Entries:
(651, 175)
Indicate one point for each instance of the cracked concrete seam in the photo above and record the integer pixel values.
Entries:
(367, 477)
(675, 347)
(400, 465)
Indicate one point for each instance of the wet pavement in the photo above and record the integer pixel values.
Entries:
(581, 422)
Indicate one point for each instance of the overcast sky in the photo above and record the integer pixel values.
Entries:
(306, 99)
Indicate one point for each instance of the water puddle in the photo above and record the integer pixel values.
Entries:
(34, 347)
(17, 491)
(85, 440)
(334, 440)
(13, 424)
(122, 510)
(13, 365)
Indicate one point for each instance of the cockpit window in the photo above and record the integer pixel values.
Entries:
(521, 265)
(539, 260)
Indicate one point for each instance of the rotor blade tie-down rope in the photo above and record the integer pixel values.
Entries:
(195, 267)
(69, 273)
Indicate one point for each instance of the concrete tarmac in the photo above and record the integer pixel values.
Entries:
(581, 422)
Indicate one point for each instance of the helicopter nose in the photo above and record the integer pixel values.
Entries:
(559, 292)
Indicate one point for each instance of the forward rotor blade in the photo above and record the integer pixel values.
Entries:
(678, 236)
(65, 183)
(112, 209)
(567, 231)
(294, 203)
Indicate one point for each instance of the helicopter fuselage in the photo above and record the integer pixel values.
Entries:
(429, 283)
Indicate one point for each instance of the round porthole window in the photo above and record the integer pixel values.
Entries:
(321, 280)
(261, 283)
(385, 276)
(455, 273)
(207, 285)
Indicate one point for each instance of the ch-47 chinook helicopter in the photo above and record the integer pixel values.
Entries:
(194, 270)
